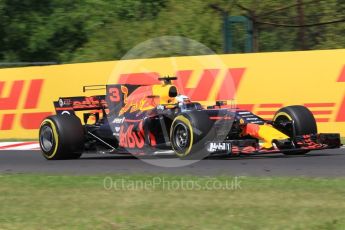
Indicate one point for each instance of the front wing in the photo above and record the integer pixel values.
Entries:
(252, 146)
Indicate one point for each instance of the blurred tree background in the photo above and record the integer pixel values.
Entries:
(67, 31)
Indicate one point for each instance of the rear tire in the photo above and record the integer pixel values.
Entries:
(61, 137)
(304, 123)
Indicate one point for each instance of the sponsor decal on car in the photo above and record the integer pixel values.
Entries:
(218, 147)
(118, 120)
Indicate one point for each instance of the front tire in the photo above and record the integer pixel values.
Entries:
(61, 137)
(189, 133)
(303, 123)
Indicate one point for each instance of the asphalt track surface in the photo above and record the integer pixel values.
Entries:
(327, 163)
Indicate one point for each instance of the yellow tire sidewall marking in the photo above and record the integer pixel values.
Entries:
(189, 125)
(55, 135)
(282, 114)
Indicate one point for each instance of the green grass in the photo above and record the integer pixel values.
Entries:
(82, 202)
(18, 139)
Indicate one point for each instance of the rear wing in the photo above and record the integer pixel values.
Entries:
(114, 99)
(68, 105)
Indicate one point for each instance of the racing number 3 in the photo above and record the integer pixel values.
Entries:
(115, 94)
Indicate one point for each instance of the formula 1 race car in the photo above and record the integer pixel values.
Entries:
(146, 119)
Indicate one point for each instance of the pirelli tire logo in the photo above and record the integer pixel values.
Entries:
(21, 95)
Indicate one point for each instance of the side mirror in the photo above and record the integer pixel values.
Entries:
(221, 103)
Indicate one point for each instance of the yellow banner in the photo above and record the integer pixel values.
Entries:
(261, 82)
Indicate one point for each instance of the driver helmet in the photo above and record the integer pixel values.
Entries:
(182, 99)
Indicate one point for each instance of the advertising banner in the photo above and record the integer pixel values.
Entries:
(261, 82)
